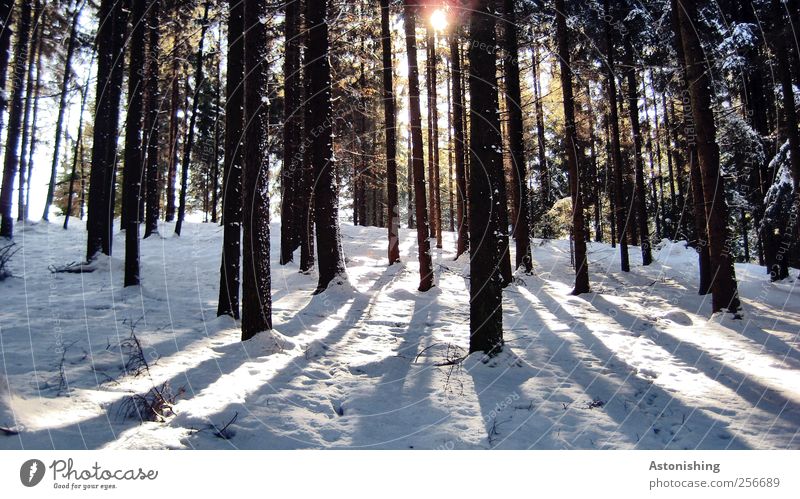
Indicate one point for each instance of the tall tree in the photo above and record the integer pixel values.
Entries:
(516, 138)
(578, 232)
(462, 241)
(417, 155)
(640, 193)
(616, 152)
(256, 279)
(292, 128)
(435, 202)
(228, 303)
(110, 55)
(187, 146)
(152, 129)
(133, 157)
(174, 120)
(790, 133)
(77, 151)
(485, 288)
(695, 178)
(724, 292)
(62, 104)
(11, 161)
(393, 207)
(6, 20)
(330, 257)
(26, 115)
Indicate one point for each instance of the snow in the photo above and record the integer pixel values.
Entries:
(373, 363)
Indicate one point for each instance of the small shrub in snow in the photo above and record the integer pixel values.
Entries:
(6, 252)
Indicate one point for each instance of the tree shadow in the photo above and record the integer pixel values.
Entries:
(755, 393)
(667, 423)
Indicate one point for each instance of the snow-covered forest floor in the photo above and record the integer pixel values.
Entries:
(371, 363)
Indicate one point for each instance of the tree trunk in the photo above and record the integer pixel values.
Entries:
(640, 193)
(61, 109)
(516, 139)
(790, 132)
(187, 147)
(581, 262)
(292, 113)
(410, 182)
(330, 257)
(26, 119)
(544, 174)
(391, 137)
(433, 139)
(724, 291)
(152, 128)
(417, 153)
(110, 43)
(228, 303)
(256, 280)
(132, 180)
(485, 287)
(462, 241)
(616, 153)
(77, 154)
(6, 21)
(172, 168)
(695, 176)
(15, 121)
(307, 179)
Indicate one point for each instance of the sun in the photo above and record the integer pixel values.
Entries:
(439, 20)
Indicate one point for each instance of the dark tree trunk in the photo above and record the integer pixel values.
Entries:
(305, 198)
(434, 110)
(330, 257)
(77, 154)
(6, 21)
(172, 168)
(783, 32)
(723, 288)
(433, 140)
(516, 139)
(621, 218)
(256, 280)
(228, 303)
(26, 119)
(410, 182)
(695, 176)
(417, 154)
(450, 177)
(187, 147)
(391, 137)
(132, 180)
(34, 141)
(110, 43)
(544, 174)
(640, 192)
(462, 242)
(292, 113)
(485, 288)
(581, 262)
(152, 128)
(15, 120)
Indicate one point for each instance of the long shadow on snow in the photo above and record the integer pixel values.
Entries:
(397, 386)
(281, 435)
(666, 417)
(757, 394)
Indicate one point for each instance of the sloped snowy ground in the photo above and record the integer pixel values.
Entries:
(635, 364)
